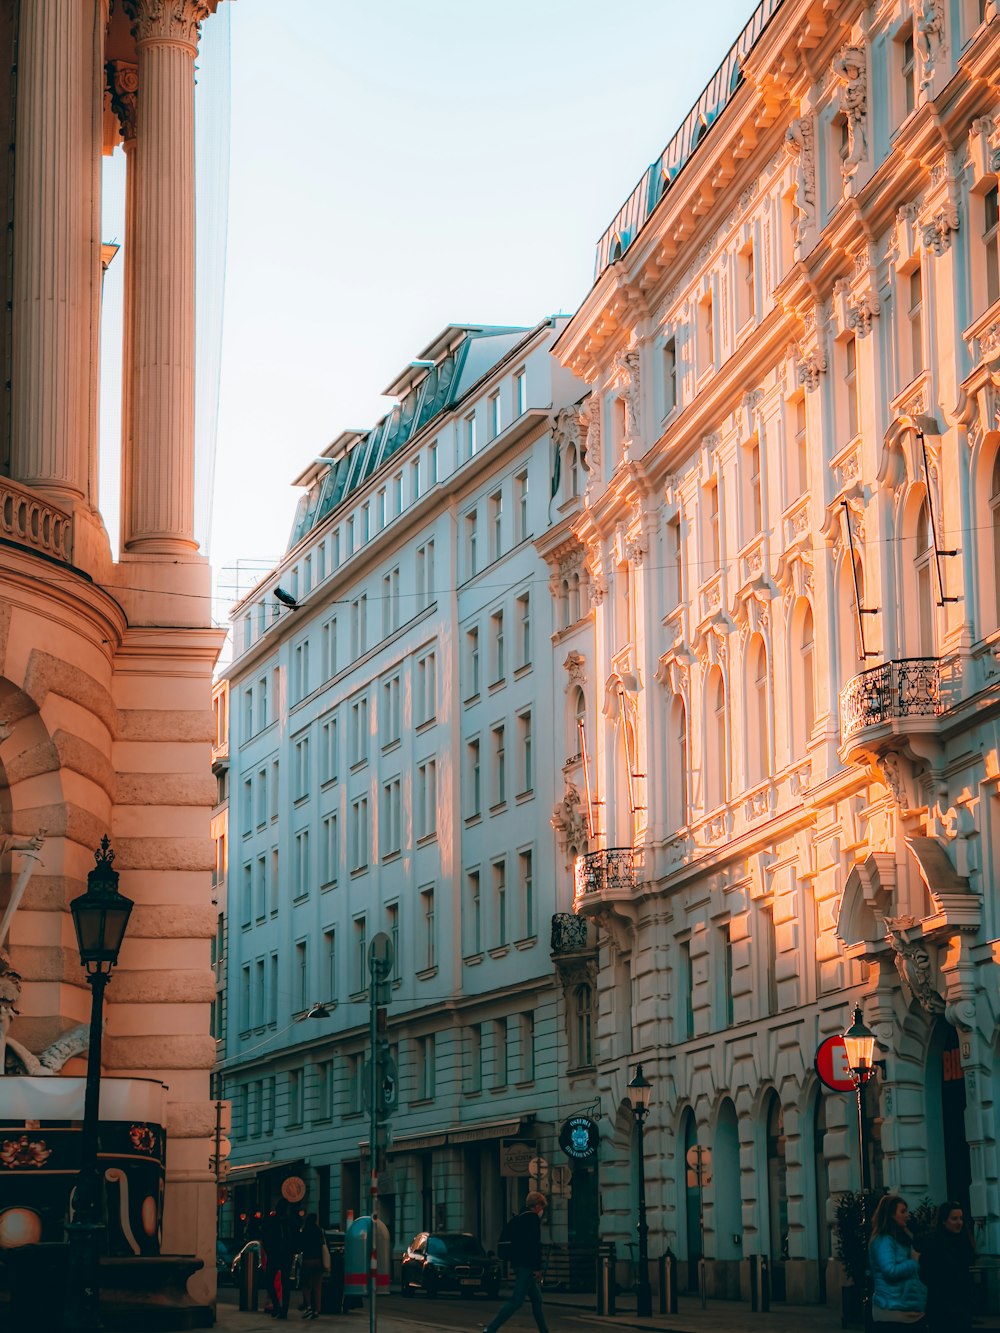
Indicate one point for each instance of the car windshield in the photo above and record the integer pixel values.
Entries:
(455, 1247)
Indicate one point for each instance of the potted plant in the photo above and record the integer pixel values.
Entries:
(852, 1216)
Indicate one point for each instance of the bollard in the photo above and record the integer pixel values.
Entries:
(668, 1282)
(248, 1280)
(765, 1285)
(605, 1284)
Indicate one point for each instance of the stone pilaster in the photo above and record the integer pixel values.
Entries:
(56, 280)
(158, 453)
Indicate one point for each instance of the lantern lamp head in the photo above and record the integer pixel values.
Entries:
(860, 1043)
(100, 916)
(639, 1089)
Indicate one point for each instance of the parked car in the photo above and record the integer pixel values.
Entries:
(437, 1261)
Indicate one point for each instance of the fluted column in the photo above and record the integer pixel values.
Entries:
(158, 443)
(123, 86)
(56, 267)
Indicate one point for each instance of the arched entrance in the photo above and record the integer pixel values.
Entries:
(777, 1195)
(950, 1169)
(691, 1194)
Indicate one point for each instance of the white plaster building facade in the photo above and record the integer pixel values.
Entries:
(105, 665)
(389, 770)
(785, 641)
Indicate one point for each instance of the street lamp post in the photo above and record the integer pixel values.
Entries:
(639, 1089)
(859, 1042)
(100, 917)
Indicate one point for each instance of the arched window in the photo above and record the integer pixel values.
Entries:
(575, 607)
(802, 664)
(848, 642)
(924, 574)
(677, 765)
(758, 750)
(583, 1025)
(716, 766)
(579, 722)
(995, 524)
(565, 605)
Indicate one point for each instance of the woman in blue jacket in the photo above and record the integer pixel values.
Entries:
(898, 1296)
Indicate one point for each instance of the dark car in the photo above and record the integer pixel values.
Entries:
(439, 1261)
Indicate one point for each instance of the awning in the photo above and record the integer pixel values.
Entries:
(490, 1129)
(249, 1170)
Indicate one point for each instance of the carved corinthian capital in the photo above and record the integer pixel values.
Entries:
(168, 20)
(123, 86)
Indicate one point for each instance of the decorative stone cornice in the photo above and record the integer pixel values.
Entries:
(123, 88)
(168, 20)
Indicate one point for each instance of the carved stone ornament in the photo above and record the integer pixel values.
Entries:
(893, 774)
(123, 87)
(862, 309)
(935, 231)
(984, 145)
(598, 589)
(850, 69)
(568, 427)
(812, 364)
(569, 820)
(592, 461)
(574, 666)
(913, 963)
(168, 20)
(800, 143)
(627, 367)
(634, 548)
(929, 37)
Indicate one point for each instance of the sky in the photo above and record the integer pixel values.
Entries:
(396, 167)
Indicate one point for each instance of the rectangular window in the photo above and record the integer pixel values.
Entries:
(498, 734)
(259, 998)
(275, 884)
(359, 626)
(520, 392)
(801, 454)
(359, 731)
(473, 790)
(426, 811)
(473, 915)
(429, 948)
(301, 752)
(262, 704)
(416, 490)
(246, 808)
(328, 751)
(705, 334)
(526, 892)
(472, 543)
(726, 959)
(906, 68)
(272, 990)
(501, 924)
(261, 795)
(390, 602)
(324, 1090)
(851, 385)
(474, 1058)
(359, 979)
(746, 295)
(432, 464)
(526, 772)
(991, 216)
(493, 415)
(521, 507)
(301, 978)
(915, 317)
(669, 376)
(295, 1097)
(470, 435)
(425, 700)
(366, 523)
(300, 671)
(471, 690)
(330, 851)
(426, 592)
(496, 525)
(526, 1024)
(330, 977)
(260, 888)
(714, 546)
(685, 996)
(389, 713)
(426, 1080)
(321, 562)
(381, 508)
(498, 663)
(524, 630)
(335, 549)
(245, 999)
(754, 483)
(392, 930)
(270, 1104)
(247, 713)
(500, 1073)
(355, 1090)
(389, 829)
(359, 834)
(302, 877)
(768, 960)
(246, 896)
(674, 581)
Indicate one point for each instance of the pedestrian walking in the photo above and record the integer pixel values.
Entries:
(277, 1239)
(898, 1295)
(525, 1237)
(945, 1269)
(312, 1243)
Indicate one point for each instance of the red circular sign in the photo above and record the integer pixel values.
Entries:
(833, 1067)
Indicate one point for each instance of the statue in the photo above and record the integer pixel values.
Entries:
(913, 963)
(799, 140)
(10, 978)
(929, 36)
(849, 67)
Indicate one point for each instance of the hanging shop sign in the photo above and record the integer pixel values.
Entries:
(579, 1138)
(833, 1066)
(516, 1156)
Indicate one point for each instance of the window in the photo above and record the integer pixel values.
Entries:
(390, 602)
(359, 626)
(392, 930)
(300, 888)
(473, 914)
(496, 525)
(300, 671)
(247, 713)
(329, 964)
(800, 452)
(851, 385)
(705, 339)
(301, 978)
(716, 777)
(261, 795)
(501, 934)
(914, 318)
(246, 807)
(523, 630)
(526, 893)
(429, 948)
(474, 1058)
(758, 751)
(677, 764)
(471, 542)
(324, 1090)
(416, 488)
(301, 751)
(358, 851)
(389, 716)
(520, 392)
(328, 648)
(397, 493)
(991, 215)
(500, 1069)
(669, 377)
(359, 978)
(321, 562)
(425, 701)
(713, 540)
(426, 592)
(906, 69)
(426, 811)
(355, 1090)
(470, 435)
(685, 992)
(391, 818)
(726, 977)
(768, 960)
(746, 293)
(473, 790)
(260, 888)
(521, 499)
(755, 514)
(335, 549)
(275, 884)
(381, 508)
(674, 583)
(804, 683)
(432, 463)
(425, 1068)
(245, 999)
(359, 731)
(526, 1032)
(923, 560)
(493, 414)
(498, 734)
(366, 522)
(328, 754)
(307, 578)
(329, 851)
(295, 1097)
(499, 662)
(471, 690)
(525, 765)
(583, 1026)
(259, 998)
(262, 704)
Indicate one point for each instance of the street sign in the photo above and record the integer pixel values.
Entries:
(699, 1163)
(833, 1067)
(380, 956)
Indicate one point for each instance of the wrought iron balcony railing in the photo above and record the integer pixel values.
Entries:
(609, 872)
(908, 687)
(570, 933)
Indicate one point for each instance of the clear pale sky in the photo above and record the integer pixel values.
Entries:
(397, 167)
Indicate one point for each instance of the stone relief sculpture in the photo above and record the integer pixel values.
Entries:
(627, 366)
(10, 978)
(850, 68)
(569, 820)
(799, 140)
(929, 37)
(913, 963)
(592, 454)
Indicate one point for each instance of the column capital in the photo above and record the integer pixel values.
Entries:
(123, 87)
(168, 20)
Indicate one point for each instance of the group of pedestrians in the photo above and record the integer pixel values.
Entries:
(282, 1238)
(926, 1288)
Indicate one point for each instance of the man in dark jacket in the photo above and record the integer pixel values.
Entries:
(526, 1259)
(277, 1239)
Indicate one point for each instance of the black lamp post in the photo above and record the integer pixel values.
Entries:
(100, 917)
(859, 1042)
(638, 1090)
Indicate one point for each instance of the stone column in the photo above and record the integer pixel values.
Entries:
(158, 461)
(56, 270)
(123, 86)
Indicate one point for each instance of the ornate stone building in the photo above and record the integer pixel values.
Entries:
(105, 664)
(777, 575)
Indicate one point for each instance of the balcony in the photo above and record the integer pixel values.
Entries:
(899, 699)
(607, 875)
(570, 934)
(573, 945)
